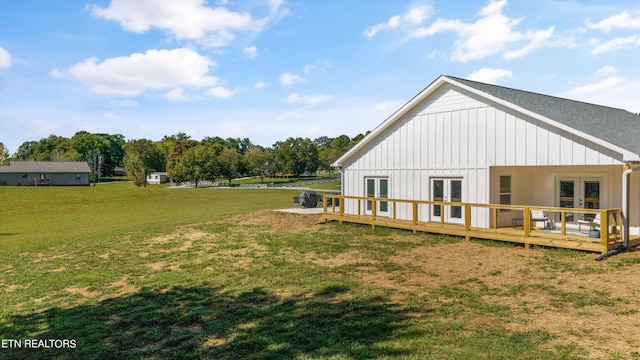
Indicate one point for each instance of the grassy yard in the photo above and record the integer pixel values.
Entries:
(159, 273)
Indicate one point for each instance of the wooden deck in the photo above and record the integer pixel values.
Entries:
(525, 232)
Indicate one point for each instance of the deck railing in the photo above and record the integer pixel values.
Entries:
(512, 223)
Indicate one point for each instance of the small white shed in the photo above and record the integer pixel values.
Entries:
(465, 141)
(157, 178)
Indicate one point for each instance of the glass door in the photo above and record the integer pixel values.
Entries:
(591, 194)
(579, 192)
(567, 197)
(447, 190)
(377, 187)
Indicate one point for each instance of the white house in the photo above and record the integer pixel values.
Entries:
(466, 141)
(157, 178)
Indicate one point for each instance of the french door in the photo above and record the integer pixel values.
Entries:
(447, 190)
(377, 187)
(579, 192)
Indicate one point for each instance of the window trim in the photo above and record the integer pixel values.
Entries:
(509, 193)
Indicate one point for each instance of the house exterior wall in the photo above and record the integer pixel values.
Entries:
(538, 185)
(455, 133)
(56, 179)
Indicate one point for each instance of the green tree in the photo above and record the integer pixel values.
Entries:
(177, 148)
(195, 164)
(110, 148)
(230, 163)
(258, 161)
(297, 156)
(141, 158)
(4, 155)
(26, 151)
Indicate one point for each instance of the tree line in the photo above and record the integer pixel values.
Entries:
(185, 159)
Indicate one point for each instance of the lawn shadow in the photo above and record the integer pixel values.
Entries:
(199, 322)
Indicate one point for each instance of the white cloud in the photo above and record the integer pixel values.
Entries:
(614, 91)
(490, 34)
(392, 23)
(607, 70)
(177, 94)
(274, 5)
(5, 58)
(261, 85)
(414, 16)
(250, 51)
(490, 76)
(126, 103)
(537, 38)
(184, 19)
(308, 99)
(320, 65)
(595, 88)
(220, 92)
(290, 79)
(614, 44)
(139, 72)
(623, 20)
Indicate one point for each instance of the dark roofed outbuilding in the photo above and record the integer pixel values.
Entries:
(58, 173)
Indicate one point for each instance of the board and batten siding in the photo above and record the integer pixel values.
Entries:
(455, 133)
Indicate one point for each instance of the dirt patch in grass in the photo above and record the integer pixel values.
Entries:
(349, 258)
(568, 294)
(84, 291)
(121, 287)
(275, 220)
(157, 266)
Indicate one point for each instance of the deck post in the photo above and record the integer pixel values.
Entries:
(563, 222)
(467, 222)
(495, 217)
(604, 230)
(341, 207)
(373, 213)
(414, 210)
(324, 204)
(393, 210)
(526, 219)
(359, 208)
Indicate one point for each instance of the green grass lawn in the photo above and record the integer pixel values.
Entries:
(138, 273)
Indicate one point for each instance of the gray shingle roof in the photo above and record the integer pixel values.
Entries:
(46, 167)
(616, 126)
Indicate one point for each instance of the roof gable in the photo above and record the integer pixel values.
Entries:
(46, 167)
(613, 128)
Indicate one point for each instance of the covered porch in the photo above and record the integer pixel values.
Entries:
(548, 226)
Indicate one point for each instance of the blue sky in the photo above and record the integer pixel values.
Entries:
(274, 69)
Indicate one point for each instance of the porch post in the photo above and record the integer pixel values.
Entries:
(604, 230)
(626, 175)
(526, 216)
(467, 221)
